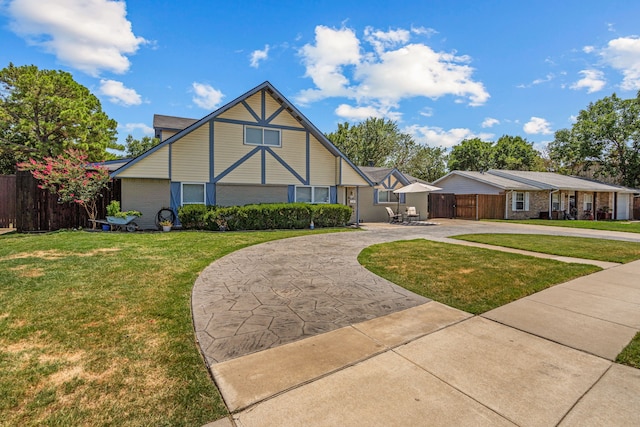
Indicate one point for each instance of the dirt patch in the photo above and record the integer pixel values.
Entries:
(52, 255)
(25, 272)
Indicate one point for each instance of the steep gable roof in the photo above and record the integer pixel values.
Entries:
(379, 174)
(268, 87)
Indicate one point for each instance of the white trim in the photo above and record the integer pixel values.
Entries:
(524, 201)
(586, 202)
(204, 193)
(388, 202)
(313, 193)
(263, 129)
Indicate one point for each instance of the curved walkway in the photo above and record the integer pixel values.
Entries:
(541, 360)
(282, 291)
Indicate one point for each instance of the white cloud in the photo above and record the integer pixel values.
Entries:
(89, 35)
(536, 126)
(334, 49)
(206, 96)
(426, 112)
(362, 113)
(133, 127)
(588, 49)
(623, 54)
(490, 122)
(381, 40)
(423, 31)
(119, 94)
(546, 79)
(592, 80)
(438, 137)
(259, 55)
(390, 71)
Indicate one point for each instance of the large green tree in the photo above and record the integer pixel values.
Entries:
(368, 143)
(516, 153)
(45, 112)
(135, 147)
(606, 135)
(379, 142)
(471, 155)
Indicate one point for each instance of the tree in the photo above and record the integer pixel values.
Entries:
(71, 178)
(135, 147)
(45, 112)
(606, 135)
(369, 143)
(471, 155)
(516, 153)
(427, 163)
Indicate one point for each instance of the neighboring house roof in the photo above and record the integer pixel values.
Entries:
(276, 95)
(489, 179)
(112, 165)
(171, 122)
(378, 174)
(536, 181)
(555, 181)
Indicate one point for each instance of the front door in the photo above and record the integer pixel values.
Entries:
(622, 206)
(573, 212)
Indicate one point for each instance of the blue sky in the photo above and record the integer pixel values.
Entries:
(443, 70)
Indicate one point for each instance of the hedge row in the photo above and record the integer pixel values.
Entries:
(263, 216)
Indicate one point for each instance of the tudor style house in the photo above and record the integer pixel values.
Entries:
(256, 149)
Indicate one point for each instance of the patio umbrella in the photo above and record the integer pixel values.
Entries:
(416, 187)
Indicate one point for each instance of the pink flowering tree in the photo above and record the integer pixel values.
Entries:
(71, 178)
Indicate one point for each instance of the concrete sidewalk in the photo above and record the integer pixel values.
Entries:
(542, 360)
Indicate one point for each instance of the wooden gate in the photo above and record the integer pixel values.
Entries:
(441, 205)
(465, 206)
(7, 201)
(491, 206)
(636, 208)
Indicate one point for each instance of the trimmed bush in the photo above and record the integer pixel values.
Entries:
(269, 216)
(192, 216)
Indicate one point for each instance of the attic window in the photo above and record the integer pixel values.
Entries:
(261, 136)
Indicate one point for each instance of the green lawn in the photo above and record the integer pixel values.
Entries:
(577, 247)
(631, 227)
(631, 354)
(475, 280)
(95, 328)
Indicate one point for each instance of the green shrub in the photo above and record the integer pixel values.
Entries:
(192, 217)
(268, 216)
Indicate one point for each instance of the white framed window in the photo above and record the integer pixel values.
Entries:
(313, 194)
(193, 193)
(520, 201)
(555, 201)
(254, 135)
(588, 202)
(386, 196)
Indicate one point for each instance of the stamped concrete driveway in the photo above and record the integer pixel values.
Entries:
(283, 291)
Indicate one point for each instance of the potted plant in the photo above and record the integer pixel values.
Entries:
(166, 225)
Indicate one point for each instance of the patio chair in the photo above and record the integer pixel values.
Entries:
(412, 214)
(393, 217)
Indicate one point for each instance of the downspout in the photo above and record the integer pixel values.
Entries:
(506, 204)
(358, 207)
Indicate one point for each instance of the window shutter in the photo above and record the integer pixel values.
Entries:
(375, 195)
(513, 201)
(526, 201)
(210, 194)
(291, 193)
(403, 198)
(175, 199)
(333, 194)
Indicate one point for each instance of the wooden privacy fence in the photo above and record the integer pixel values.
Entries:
(39, 210)
(467, 206)
(7, 201)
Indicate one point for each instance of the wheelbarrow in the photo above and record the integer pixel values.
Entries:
(126, 223)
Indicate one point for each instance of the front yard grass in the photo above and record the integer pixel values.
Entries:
(95, 328)
(631, 354)
(631, 227)
(577, 247)
(474, 280)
